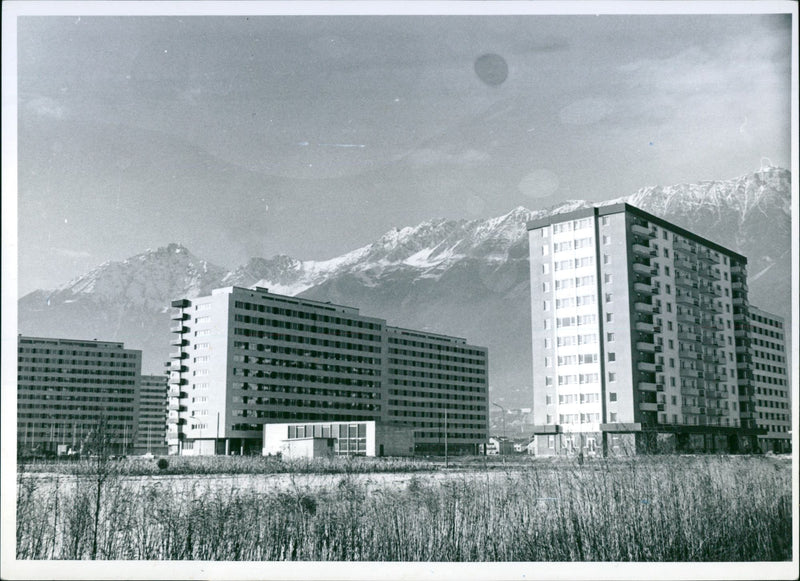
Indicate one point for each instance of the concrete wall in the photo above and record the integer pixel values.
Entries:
(396, 440)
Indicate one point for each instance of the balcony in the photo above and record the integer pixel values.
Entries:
(643, 307)
(647, 386)
(640, 287)
(641, 250)
(644, 346)
(179, 316)
(683, 246)
(179, 329)
(179, 355)
(688, 336)
(177, 367)
(648, 407)
(178, 342)
(178, 381)
(685, 282)
(689, 372)
(738, 285)
(646, 366)
(644, 327)
(181, 303)
(705, 256)
(685, 299)
(642, 231)
(687, 318)
(642, 268)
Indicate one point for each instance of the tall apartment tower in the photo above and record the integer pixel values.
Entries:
(772, 404)
(65, 387)
(151, 434)
(247, 357)
(634, 341)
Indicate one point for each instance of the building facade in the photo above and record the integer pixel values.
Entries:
(769, 360)
(359, 438)
(67, 387)
(635, 346)
(151, 435)
(246, 357)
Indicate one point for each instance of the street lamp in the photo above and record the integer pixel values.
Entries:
(504, 429)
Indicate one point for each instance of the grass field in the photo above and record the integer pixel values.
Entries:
(713, 508)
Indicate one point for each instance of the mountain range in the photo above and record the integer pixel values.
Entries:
(461, 277)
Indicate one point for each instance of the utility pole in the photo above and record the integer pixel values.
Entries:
(445, 438)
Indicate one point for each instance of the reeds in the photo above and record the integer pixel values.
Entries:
(652, 509)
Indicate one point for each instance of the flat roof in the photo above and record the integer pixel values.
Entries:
(595, 211)
(76, 342)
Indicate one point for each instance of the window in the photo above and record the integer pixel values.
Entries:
(606, 239)
(666, 270)
(606, 259)
(548, 399)
(671, 344)
(546, 306)
(612, 396)
(549, 420)
(548, 362)
(672, 362)
(612, 377)
(545, 249)
(612, 417)
(609, 317)
(609, 297)
(669, 325)
(548, 380)
(609, 337)
(612, 356)
(669, 307)
(546, 287)
(604, 220)
(607, 278)
(668, 289)
(666, 253)
(545, 268)
(547, 344)
(551, 441)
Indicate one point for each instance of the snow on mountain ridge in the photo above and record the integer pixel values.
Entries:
(428, 248)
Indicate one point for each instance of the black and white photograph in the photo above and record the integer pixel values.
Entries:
(421, 290)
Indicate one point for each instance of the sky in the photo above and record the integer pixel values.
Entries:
(311, 136)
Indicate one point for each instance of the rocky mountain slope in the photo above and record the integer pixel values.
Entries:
(462, 277)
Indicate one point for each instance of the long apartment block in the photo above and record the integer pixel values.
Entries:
(245, 357)
(635, 347)
(65, 387)
(772, 404)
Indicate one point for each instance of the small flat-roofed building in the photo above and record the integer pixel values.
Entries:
(354, 438)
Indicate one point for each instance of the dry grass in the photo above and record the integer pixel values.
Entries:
(653, 509)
